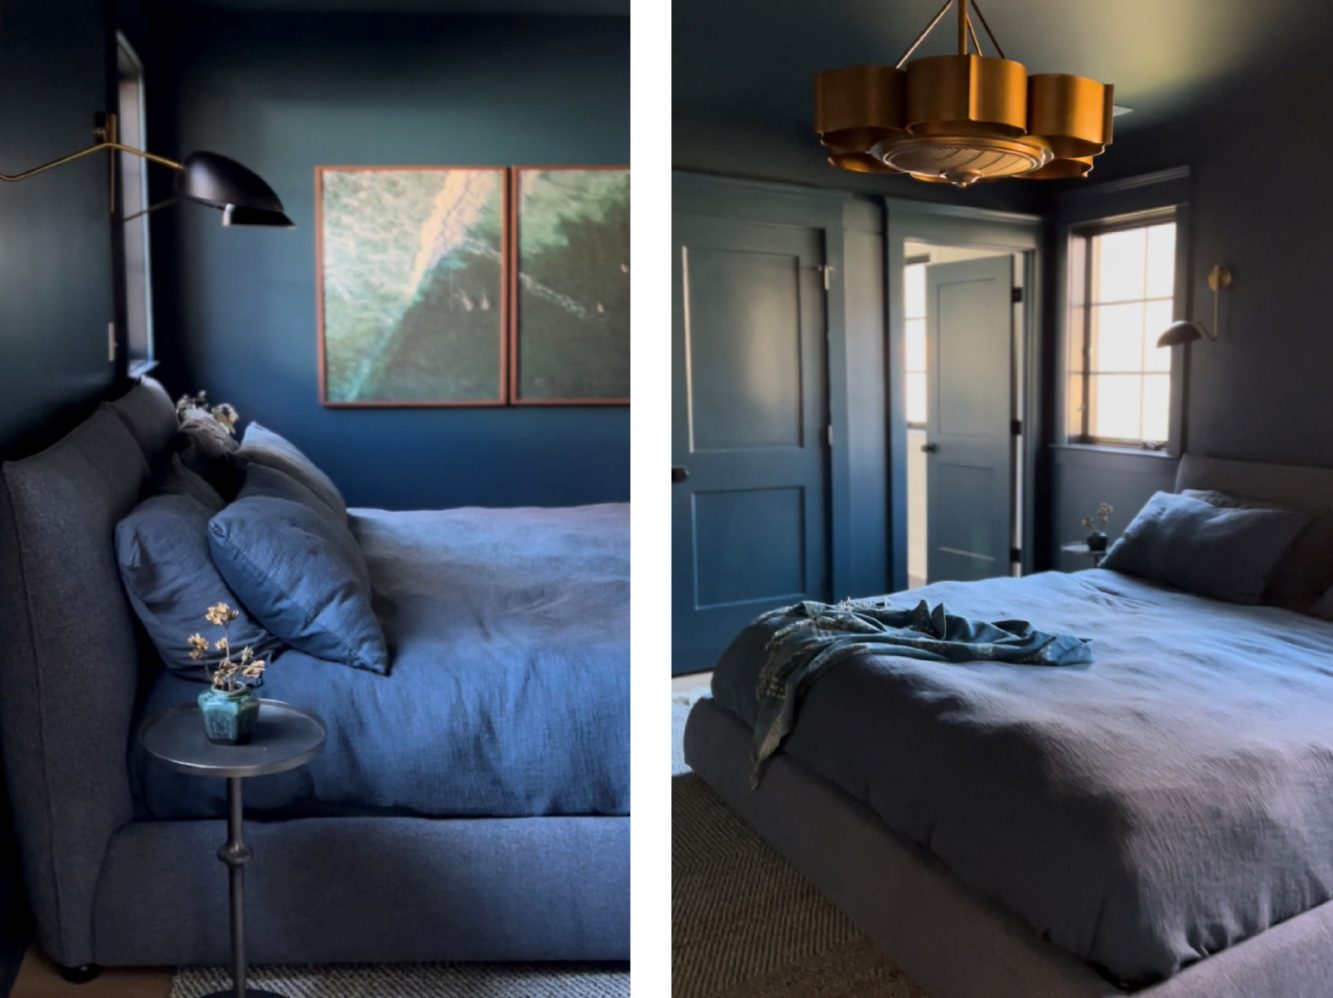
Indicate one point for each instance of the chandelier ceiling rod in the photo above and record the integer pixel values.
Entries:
(986, 27)
(976, 42)
(922, 37)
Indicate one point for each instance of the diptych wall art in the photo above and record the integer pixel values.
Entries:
(571, 306)
(468, 286)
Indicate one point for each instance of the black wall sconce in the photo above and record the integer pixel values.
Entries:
(206, 178)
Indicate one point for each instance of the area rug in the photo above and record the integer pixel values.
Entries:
(419, 980)
(746, 924)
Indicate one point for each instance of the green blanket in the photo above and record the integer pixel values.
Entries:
(819, 636)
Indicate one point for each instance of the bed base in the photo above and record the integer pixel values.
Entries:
(952, 942)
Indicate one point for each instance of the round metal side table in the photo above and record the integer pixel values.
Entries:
(285, 737)
(1081, 547)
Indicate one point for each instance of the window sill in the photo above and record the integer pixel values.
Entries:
(1164, 454)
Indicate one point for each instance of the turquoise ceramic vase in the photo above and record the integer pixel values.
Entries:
(229, 715)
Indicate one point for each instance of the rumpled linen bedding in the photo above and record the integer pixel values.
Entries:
(1142, 812)
(508, 691)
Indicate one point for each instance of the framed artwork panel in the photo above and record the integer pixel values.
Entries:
(412, 285)
(570, 289)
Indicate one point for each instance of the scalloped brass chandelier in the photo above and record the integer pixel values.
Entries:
(964, 118)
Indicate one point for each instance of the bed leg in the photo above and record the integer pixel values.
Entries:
(81, 974)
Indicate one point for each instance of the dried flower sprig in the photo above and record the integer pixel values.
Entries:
(225, 413)
(230, 673)
(1102, 517)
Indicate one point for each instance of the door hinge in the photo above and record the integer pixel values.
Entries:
(1015, 554)
(111, 342)
(1016, 427)
(827, 272)
(1016, 296)
(828, 434)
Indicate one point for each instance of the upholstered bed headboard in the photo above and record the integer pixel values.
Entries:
(1294, 485)
(69, 675)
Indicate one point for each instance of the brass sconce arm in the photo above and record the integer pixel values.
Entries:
(95, 148)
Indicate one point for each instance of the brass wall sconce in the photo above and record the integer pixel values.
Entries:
(1187, 331)
(206, 178)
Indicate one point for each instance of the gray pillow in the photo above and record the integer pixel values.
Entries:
(1228, 554)
(263, 446)
(207, 449)
(169, 576)
(171, 477)
(1306, 571)
(303, 579)
(262, 480)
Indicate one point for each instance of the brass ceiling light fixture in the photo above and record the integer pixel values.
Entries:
(960, 119)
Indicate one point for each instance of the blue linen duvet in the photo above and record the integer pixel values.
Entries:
(1142, 813)
(508, 690)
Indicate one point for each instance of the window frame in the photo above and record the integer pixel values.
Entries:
(1078, 328)
(140, 357)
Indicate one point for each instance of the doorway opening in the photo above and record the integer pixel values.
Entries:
(963, 362)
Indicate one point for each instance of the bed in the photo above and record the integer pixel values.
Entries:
(1155, 823)
(473, 804)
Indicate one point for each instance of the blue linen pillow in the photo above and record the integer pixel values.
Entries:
(262, 446)
(1226, 553)
(171, 477)
(168, 572)
(302, 578)
(262, 480)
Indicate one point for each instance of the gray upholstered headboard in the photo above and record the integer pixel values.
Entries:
(70, 670)
(1295, 485)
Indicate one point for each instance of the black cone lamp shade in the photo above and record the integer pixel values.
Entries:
(1179, 333)
(212, 179)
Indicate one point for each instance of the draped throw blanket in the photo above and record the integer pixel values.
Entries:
(819, 636)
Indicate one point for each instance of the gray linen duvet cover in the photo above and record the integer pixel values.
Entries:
(1142, 812)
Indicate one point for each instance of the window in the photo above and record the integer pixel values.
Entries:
(138, 318)
(914, 300)
(1122, 298)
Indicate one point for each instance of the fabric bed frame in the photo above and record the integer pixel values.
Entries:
(951, 941)
(107, 888)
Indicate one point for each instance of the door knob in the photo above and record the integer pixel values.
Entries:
(679, 473)
(928, 448)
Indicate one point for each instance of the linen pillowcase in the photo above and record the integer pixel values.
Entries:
(302, 577)
(207, 449)
(1227, 554)
(165, 563)
(1306, 571)
(263, 446)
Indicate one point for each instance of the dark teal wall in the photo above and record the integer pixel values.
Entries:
(236, 308)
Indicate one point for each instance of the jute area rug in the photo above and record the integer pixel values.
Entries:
(745, 923)
(438, 980)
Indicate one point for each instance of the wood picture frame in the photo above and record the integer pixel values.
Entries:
(615, 369)
(365, 353)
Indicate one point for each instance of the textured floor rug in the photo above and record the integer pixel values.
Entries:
(422, 980)
(745, 923)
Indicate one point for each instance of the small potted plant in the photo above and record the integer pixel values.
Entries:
(1097, 525)
(229, 705)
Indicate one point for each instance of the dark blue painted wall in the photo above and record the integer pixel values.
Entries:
(236, 308)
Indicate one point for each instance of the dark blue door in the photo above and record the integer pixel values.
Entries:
(749, 424)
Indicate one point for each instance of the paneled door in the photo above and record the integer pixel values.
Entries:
(969, 459)
(749, 429)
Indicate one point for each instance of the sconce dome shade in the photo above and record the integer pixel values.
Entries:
(214, 179)
(237, 215)
(1180, 332)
